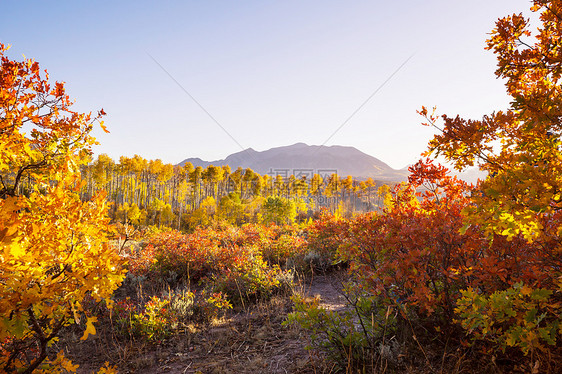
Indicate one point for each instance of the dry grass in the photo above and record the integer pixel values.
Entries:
(251, 341)
(254, 341)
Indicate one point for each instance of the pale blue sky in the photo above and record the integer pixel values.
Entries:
(272, 73)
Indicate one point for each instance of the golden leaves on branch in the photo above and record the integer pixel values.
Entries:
(53, 246)
(518, 147)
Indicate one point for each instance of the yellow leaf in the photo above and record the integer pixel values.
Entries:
(104, 128)
(526, 290)
(90, 329)
(75, 314)
(65, 363)
(16, 250)
(106, 369)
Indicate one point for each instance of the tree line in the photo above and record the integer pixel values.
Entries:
(150, 192)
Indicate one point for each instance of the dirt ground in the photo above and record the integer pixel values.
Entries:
(250, 341)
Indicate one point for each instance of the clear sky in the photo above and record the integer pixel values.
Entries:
(271, 73)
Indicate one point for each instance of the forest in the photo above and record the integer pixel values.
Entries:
(151, 193)
(141, 266)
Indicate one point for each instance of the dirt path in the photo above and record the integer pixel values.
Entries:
(258, 343)
(328, 288)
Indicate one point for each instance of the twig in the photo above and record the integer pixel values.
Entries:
(417, 341)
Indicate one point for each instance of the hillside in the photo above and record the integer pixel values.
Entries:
(302, 159)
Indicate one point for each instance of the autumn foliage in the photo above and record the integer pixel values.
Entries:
(53, 246)
(519, 147)
(246, 263)
(420, 255)
(481, 264)
(449, 291)
(474, 270)
(520, 199)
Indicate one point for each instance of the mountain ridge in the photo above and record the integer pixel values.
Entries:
(300, 158)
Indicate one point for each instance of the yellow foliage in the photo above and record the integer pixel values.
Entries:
(53, 246)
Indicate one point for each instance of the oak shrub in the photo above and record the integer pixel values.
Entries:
(440, 282)
(53, 247)
(222, 258)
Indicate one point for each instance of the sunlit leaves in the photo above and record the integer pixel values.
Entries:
(90, 329)
(519, 147)
(422, 255)
(518, 316)
(517, 208)
(53, 246)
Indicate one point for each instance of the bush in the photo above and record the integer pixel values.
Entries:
(162, 316)
(250, 280)
(419, 256)
(287, 251)
(358, 339)
(222, 258)
(324, 236)
(520, 316)
(54, 247)
(156, 321)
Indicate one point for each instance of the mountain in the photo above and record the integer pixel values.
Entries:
(302, 159)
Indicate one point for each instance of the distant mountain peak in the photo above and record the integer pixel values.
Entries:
(303, 159)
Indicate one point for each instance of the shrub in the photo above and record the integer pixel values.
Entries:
(357, 339)
(324, 237)
(250, 280)
(211, 305)
(221, 258)
(418, 255)
(520, 316)
(287, 251)
(155, 321)
(53, 246)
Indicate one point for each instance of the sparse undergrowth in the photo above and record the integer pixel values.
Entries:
(203, 299)
(243, 341)
(236, 299)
